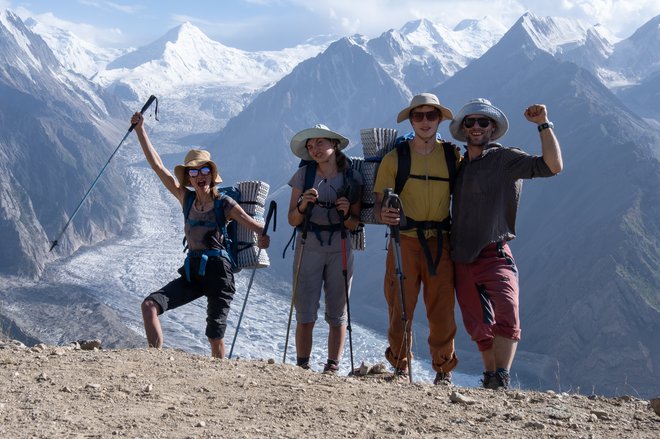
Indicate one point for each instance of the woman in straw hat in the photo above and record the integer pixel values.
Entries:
(325, 196)
(208, 269)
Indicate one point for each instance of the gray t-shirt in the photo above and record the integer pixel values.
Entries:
(486, 197)
(324, 212)
(202, 233)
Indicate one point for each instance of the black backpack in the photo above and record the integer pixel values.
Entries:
(403, 167)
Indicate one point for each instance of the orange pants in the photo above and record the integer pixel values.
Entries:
(438, 294)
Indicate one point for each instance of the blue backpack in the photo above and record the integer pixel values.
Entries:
(228, 231)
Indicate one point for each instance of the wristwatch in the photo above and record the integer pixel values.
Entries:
(545, 125)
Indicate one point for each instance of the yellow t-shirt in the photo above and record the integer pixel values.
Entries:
(422, 200)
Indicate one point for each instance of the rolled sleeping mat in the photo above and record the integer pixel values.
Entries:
(253, 202)
(376, 142)
(358, 241)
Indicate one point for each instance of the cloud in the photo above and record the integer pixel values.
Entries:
(102, 37)
(106, 5)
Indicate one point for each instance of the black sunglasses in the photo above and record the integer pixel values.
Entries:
(470, 121)
(195, 172)
(431, 116)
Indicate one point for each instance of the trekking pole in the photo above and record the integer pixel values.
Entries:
(392, 200)
(144, 108)
(303, 238)
(348, 305)
(272, 209)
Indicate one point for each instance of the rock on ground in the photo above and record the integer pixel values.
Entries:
(56, 391)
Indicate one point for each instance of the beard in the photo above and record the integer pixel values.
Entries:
(479, 141)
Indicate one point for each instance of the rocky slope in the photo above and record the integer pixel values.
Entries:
(48, 391)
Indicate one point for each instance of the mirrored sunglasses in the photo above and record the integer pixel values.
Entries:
(470, 121)
(192, 172)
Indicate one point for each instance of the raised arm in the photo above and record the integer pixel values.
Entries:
(154, 159)
(550, 148)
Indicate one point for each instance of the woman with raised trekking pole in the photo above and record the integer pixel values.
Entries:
(325, 201)
(207, 269)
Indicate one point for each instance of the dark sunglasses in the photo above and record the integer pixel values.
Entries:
(431, 116)
(195, 172)
(470, 121)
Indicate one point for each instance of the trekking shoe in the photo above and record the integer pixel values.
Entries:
(503, 378)
(442, 378)
(496, 380)
(488, 379)
(400, 376)
(331, 369)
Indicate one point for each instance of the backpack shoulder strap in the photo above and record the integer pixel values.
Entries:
(219, 209)
(188, 200)
(403, 165)
(310, 175)
(452, 155)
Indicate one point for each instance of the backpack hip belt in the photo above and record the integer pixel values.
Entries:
(204, 258)
(421, 226)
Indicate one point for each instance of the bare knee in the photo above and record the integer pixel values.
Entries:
(150, 308)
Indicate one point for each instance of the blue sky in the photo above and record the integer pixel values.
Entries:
(275, 24)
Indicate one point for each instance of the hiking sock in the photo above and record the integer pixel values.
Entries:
(302, 362)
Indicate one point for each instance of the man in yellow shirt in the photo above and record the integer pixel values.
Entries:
(424, 244)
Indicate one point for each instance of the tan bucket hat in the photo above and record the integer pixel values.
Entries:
(196, 158)
(320, 131)
(424, 99)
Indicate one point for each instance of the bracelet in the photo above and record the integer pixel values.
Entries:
(546, 125)
(347, 216)
(298, 209)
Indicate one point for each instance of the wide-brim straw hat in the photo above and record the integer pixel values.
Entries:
(481, 107)
(424, 99)
(194, 159)
(320, 131)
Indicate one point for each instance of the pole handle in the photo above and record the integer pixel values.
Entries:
(308, 214)
(146, 106)
(272, 210)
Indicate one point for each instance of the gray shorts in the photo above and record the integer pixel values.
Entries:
(322, 270)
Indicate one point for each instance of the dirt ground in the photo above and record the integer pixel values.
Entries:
(56, 391)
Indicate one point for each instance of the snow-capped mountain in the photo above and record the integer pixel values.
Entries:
(56, 126)
(203, 81)
(423, 54)
(74, 53)
(638, 57)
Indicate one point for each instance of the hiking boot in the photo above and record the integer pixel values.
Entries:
(503, 378)
(488, 380)
(331, 369)
(400, 376)
(496, 380)
(442, 378)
